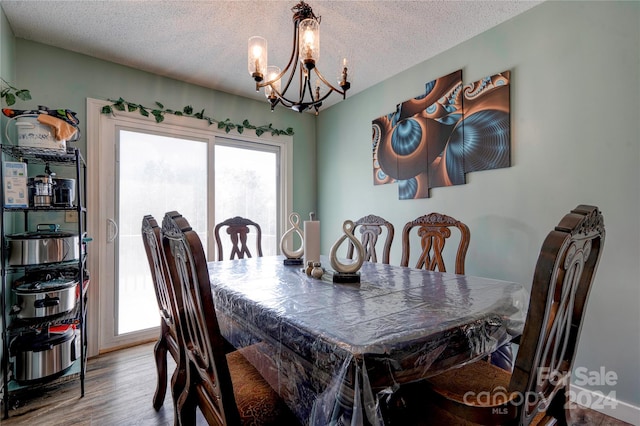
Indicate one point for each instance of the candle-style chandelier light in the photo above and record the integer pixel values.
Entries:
(306, 51)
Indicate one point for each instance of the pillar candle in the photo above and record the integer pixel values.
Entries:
(311, 241)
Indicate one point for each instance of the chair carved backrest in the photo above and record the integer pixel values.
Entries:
(167, 305)
(562, 280)
(238, 228)
(152, 241)
(206, 364)
(433, 230)
(370, 228)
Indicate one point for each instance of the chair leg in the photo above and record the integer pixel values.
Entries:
(178, 385)
(559, 407)
(186, 403)
(160, 354)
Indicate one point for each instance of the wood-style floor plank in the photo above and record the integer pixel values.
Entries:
(119, 389)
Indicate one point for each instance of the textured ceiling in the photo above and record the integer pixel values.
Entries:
(205, 42)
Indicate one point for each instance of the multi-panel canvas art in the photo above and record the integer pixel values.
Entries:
(433, 140)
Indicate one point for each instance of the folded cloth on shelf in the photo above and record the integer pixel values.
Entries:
(61, 129)
(63, 114)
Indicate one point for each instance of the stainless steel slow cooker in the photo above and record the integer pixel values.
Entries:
(45, 354)
(48, 298)
(46, 245)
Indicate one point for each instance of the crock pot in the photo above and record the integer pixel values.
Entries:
(46, 245)
(33, 134)
(44, 355)
(47, 298)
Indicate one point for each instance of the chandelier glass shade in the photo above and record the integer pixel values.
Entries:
(303, 61)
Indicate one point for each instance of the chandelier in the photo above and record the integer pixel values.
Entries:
(304, 57)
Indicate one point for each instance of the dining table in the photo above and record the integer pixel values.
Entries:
(335, 352)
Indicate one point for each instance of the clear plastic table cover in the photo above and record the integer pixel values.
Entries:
(334, 351)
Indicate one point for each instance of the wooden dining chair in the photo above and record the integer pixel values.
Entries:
(238, 229)
(434, 229)
(168, 340)
(537, 392)
(226, 387)
(370, 228)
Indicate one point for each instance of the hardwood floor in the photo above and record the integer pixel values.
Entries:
(119, 387)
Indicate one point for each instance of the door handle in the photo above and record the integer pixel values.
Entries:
(113, 228)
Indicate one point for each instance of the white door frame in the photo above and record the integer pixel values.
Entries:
(98, 125)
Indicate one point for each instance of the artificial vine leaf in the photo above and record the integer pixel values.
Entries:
(131, 107)
(159, 105)
(159, 115)
(229, 126)
(144, 112)
(24, 94)
(106, 109)
(9, 93)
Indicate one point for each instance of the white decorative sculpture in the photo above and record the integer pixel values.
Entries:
(293, 255)
(353, 267)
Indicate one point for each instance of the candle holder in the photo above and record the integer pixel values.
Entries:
(293, 257)
(311, 239)
(347, 272)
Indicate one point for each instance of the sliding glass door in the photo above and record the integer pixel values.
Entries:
(155, 174)
(150, 168)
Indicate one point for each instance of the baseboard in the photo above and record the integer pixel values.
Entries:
(606, 404)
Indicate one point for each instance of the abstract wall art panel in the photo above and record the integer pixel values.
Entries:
(434, 139)
(385, 165)
(487, 135)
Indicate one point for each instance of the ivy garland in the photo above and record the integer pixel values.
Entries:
(160, 111)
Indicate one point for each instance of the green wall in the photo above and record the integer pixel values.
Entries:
(575, 113)
(7, 48)
(61, 78)
(7, 55)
